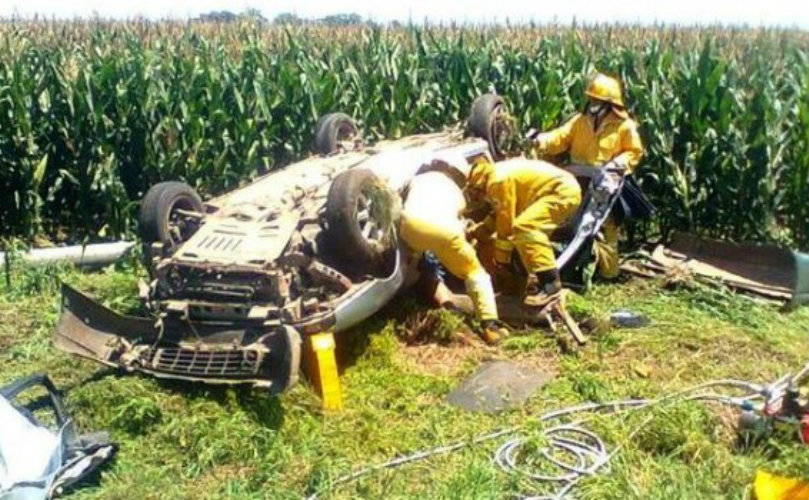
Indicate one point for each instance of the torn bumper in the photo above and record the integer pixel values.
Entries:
(255, 353)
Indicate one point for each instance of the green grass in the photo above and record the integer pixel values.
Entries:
(182, 441)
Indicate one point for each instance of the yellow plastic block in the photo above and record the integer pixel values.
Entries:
(320, 365)
(772, 487)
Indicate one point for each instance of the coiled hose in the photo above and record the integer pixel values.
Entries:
(587, 451)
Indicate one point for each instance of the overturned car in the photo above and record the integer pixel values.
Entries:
(238, 280)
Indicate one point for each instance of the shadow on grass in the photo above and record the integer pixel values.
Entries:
(261, 405)
(97, 375)
(353, 344)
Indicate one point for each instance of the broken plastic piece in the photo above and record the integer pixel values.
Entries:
(320, 364)
(37, 463)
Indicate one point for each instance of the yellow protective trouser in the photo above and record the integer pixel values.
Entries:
(605, 248)
(447, 240)
(533, 227)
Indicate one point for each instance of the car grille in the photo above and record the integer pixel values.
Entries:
(202, 363)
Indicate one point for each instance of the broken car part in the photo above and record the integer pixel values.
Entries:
(595, 208)
(37, 463)
(205, 351)
(764, 270)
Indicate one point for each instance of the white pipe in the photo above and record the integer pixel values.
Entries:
(97, 254)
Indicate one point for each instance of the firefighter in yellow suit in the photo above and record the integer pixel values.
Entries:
(603, 136)
(530, 199)
(431, 221)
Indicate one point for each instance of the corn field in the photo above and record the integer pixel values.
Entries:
(93, 113)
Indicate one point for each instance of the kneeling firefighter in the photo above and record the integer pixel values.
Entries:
(431, 221)
(530, 199)
(604, 135)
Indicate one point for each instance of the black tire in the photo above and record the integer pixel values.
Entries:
(488, 121)
(330, 130)
(158, 209)
(362, 244)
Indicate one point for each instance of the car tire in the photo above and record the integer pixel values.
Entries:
(158, 209)
(487, 121)
(331, 130)
(361, 217)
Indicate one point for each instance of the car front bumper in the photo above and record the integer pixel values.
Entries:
(252, 353)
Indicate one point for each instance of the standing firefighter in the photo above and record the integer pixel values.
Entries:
(431, 221)
(530, 198)
(603, 136)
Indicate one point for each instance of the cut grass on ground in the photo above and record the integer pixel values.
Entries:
(182, 441)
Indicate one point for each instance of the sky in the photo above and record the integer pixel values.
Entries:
(788, 13)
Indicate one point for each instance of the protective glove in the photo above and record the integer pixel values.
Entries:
(607, 180)
(478, 231)
(502, 252)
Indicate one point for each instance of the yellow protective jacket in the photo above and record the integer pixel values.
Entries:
(616, 139)
(515, 185)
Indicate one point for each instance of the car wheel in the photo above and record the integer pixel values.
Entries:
(361, 218)
(161, 218)
(490, 121)
(331, 131)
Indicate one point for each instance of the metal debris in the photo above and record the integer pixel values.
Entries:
(767, 271)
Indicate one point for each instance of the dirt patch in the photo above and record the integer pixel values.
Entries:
(445, 360)
(443, 343)
(456, 358)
